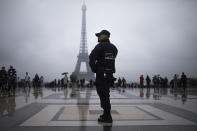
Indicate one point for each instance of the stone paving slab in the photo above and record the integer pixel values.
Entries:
(129, 111)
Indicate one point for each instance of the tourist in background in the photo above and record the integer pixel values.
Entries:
(3, 79)
(175, 80)
(11, 79)
(184, 81)
(41, 81)
(36, 81)
(148, 81)
(27, 80)
(65, 80)
(141, 81)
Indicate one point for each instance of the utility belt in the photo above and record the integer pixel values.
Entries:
(108, 77)
(107, 71)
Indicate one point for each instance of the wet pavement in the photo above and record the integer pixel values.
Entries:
(78, 109)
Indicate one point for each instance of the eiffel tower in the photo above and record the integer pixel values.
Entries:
(83, 52)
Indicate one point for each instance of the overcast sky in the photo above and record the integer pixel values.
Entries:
(152, 36)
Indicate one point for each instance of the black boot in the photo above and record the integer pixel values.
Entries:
(101, 116)
(105, 119)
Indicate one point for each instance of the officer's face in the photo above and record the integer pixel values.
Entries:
(102, 37)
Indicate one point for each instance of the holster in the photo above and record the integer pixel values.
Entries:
(109, 79)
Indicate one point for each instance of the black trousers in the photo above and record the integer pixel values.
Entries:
(103, 90)
(11, 85)
(3, 85)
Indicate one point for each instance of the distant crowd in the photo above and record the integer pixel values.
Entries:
(65, 82)
(156, 82)
(9, 81)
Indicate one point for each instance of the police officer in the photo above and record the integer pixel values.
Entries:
(102, 62)
(11, 79)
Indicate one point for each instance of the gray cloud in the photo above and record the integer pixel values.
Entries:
(153, 37)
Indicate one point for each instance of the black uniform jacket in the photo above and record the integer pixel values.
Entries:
(103, 56)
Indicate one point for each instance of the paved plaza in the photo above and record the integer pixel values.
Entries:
(78, 109)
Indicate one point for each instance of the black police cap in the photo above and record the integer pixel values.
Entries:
(105, 32)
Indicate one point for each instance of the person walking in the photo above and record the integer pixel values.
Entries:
(148, 80)
(123, 84)
(65, 80)
(27, 80)
(184, 81)
(141, 81)
(12, 79)
(41, 81)
(175, 80)
(119, 82)
(36, 81)
(3, 80)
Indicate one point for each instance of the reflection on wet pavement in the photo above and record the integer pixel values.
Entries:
(81, 107)
(25, 96)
